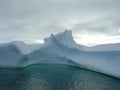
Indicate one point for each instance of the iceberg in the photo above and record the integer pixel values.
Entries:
(62, 49)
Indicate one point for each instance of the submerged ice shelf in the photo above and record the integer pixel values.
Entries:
(61, 48)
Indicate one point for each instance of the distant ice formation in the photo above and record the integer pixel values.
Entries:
(61, 48)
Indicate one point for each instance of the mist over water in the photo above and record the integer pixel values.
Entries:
(55, 77)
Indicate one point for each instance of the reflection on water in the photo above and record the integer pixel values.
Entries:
(55, 77)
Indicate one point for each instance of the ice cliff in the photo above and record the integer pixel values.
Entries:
(61, 48)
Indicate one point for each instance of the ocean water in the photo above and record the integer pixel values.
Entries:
(55, 77)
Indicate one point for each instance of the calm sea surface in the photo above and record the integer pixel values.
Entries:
(55, 77)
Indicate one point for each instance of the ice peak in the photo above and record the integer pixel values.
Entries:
(65, 38)
(66, 33)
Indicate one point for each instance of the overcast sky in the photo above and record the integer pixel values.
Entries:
(91, 21)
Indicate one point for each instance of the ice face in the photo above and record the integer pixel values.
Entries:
(61, 48)
(64, 38)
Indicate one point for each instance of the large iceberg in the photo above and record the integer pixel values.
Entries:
(61, 48)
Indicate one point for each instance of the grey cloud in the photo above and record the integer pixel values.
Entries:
(28, 19)
(103, 25)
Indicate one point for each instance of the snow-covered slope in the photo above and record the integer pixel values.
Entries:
(61, 48)
(104, 47)
(24, 48)
(33, 47)
(10, 55)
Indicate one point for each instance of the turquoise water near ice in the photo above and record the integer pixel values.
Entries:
(55, 77)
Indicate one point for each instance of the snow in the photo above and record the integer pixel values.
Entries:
(24, 48)
(105, 47)
(61, 48)
(65, 38)
(10, 55)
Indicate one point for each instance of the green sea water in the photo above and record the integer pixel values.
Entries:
(55, 77)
